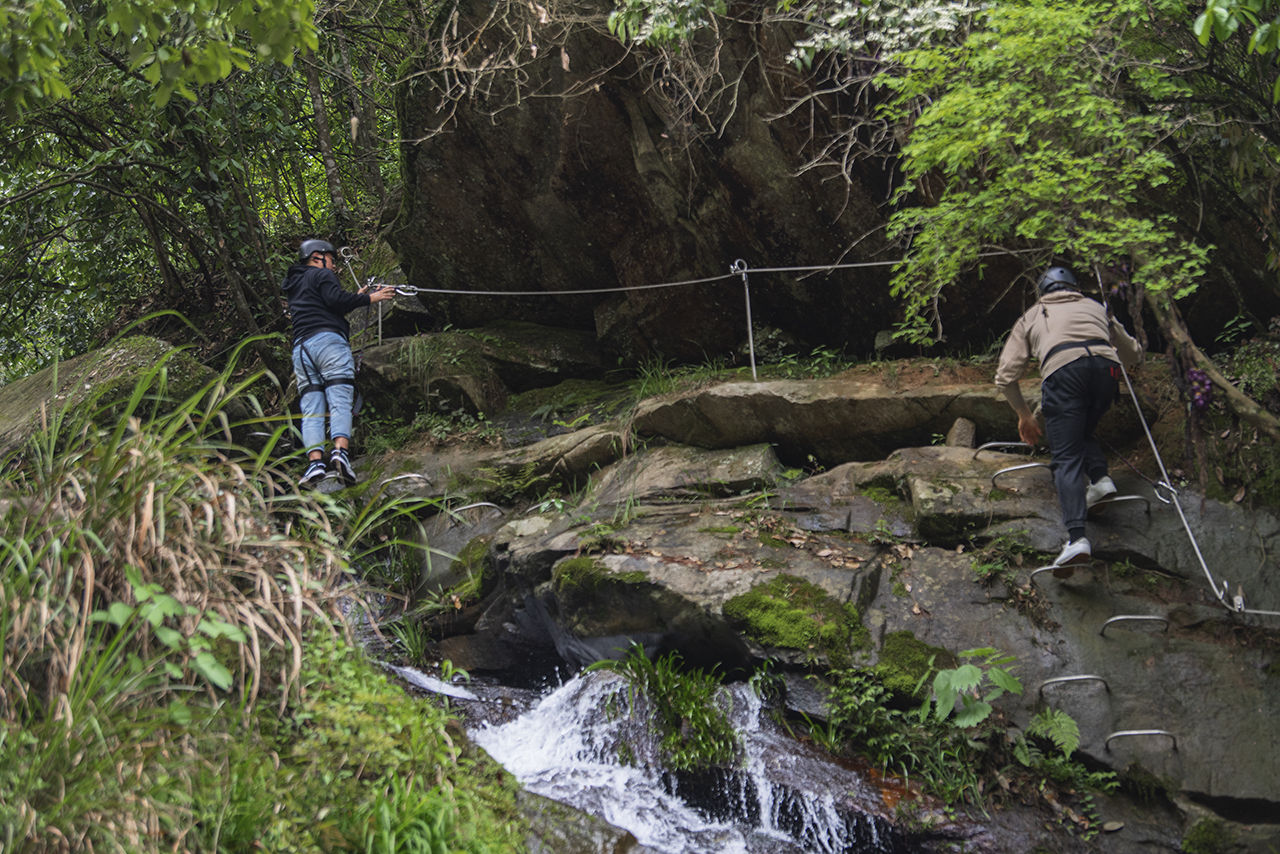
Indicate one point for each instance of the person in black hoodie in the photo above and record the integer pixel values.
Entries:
(322, 359)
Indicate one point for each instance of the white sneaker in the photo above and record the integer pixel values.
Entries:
(1095, 492)
(315, 473)
(1078, 552)
(340, 466)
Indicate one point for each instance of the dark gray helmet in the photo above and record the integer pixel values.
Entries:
(1056, 279)
(311, 247)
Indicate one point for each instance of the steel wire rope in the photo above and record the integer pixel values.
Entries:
(1237, 604)
(735, 271)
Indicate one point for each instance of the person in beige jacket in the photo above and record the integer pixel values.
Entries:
(1079, 349)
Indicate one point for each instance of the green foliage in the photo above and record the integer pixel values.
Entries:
(1032, 141)
(683, 707)
(961, 689)
(1059, 727)
(1224, 19)
(1002, 556)
(885, 29)
(943, 757)
(159, 581)
(906, 662)
(956, 757)
(662, 22)
(173, 46)
(821, 362)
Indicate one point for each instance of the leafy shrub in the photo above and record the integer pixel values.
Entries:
(684, 704)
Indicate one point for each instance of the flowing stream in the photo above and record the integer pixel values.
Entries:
(571, 744)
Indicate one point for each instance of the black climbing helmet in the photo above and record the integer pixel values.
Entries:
(311, 247)
(1056, 279)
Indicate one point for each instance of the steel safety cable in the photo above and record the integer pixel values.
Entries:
(738, 269)
(1237, 603)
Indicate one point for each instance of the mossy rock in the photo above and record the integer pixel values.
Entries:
(101, 380)
(1208, 836)
(595, 601)
(475, 563)
(788, 612)
(905, 660)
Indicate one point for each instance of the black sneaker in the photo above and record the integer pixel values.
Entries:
(340, 463)
(314, 474)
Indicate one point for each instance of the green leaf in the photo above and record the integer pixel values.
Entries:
(169, 637)
(211, 669)
(118, 613)
(1005, 680)
(972, 712)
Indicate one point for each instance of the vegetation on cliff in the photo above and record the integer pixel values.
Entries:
(176, 671)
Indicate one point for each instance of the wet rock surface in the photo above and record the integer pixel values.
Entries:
(658, 541)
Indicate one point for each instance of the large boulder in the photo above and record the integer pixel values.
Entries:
(836, 420)
(605, 181)
(99, 380)
(474, 370)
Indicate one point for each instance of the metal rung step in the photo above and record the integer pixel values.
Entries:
(1084, 677)
(992, 446)
(1010, 469)
(1121, 499)
(1123, 618)
(1132, 733)
(1065, 571)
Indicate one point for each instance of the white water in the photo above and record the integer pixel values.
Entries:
(785, 798)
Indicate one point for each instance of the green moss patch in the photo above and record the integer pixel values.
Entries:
(905, 660)
(791, 613)
(1208, 836)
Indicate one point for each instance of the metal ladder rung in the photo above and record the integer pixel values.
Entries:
(1011, 469)
(1084, 677)
(1089, 564)
(1122, 618)
(1130, 733)
(1121, 499)
(991, 446)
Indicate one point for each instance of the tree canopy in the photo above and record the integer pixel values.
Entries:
(1132, 139)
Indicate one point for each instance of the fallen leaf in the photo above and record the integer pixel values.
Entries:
(825, 552)
(1239, 496)
(1112, 826)
(915, 608)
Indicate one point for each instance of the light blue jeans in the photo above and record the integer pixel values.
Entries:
(324, 358)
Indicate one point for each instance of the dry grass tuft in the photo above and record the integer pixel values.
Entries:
(151, 571)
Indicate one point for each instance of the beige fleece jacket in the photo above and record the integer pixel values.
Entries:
(1060, 317)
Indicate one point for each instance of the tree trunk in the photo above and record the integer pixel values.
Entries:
(172, 285)
(363, 123)
(324, 139)
(1171, 323)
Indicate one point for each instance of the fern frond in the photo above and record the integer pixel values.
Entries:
(1059, 727)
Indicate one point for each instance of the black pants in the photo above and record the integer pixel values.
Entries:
(1073, 399)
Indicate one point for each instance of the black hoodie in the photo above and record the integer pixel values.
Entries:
(317, 302)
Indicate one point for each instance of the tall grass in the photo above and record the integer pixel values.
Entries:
(157, 584)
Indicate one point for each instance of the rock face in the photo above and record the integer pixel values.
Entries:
(95, 379)
(597, 183)
(684, 544)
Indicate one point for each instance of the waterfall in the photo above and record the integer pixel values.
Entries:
(580, 746)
